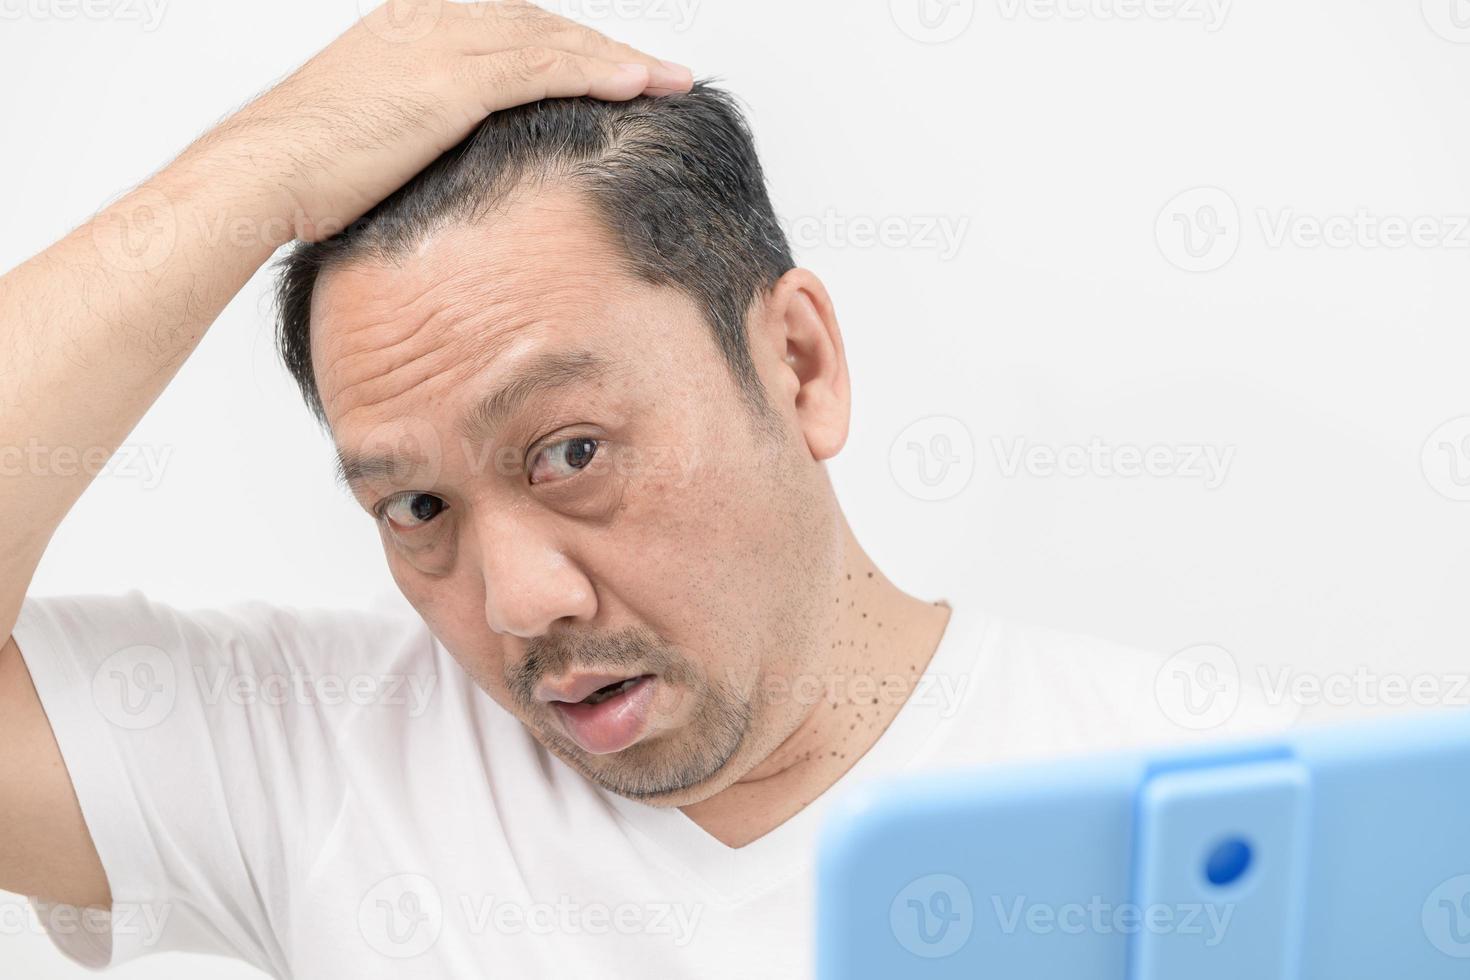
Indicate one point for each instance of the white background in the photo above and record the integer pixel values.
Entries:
(1055, 140)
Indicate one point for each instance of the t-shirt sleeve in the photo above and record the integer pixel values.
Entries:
(201, 745)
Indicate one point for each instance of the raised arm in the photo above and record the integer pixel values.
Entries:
(93, 328)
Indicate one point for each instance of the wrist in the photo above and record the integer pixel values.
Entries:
(227, 196)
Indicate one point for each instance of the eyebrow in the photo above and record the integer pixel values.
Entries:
(542, 374)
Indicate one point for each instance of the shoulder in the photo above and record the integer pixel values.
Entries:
(1042, 690)
(257, 631)
(138, 661)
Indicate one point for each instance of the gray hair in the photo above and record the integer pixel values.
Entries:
(675, 178)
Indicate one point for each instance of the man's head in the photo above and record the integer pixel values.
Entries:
(571, 370)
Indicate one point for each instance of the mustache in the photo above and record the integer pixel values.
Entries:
(637, 649)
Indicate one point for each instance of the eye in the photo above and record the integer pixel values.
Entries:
(562, 459)
(411, 510)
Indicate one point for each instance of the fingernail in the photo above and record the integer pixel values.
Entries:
(674, 75)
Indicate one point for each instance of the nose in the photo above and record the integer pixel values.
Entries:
(530, 583)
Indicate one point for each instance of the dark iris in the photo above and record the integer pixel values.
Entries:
(425, 507)
(580, 452)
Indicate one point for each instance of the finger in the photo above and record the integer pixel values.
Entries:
(489, 28)
(510, 78)
(574, 37)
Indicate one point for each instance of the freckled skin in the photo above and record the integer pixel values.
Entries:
(691, 525)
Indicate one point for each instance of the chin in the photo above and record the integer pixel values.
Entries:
(684, 795)
(613, 774)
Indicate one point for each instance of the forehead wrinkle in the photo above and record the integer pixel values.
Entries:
(456, 363)
(373, 298)
(401, 377)
(370, 352)
(488, 283)
(458, 331)
(539, 374)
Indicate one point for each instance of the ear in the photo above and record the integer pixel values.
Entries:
(798, 350)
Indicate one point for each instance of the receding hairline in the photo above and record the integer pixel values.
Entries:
(676, 181)
(552, 193)
(620, 275)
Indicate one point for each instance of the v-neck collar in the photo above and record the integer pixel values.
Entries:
(787, 850)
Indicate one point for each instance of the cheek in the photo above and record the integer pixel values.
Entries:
(455, 613)
(684, 525)
(454, 610)
(427, 551)
(709, 550)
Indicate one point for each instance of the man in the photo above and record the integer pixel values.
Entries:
(575, 377)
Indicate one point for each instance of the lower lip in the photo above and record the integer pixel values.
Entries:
(611, 725)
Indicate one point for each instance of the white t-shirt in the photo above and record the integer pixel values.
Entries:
(326, 794)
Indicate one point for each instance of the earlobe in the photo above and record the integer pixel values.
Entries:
(811, 366)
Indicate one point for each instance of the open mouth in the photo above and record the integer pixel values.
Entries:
(611, 717)
(612, 690)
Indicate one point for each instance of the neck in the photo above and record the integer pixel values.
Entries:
(878, 644)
